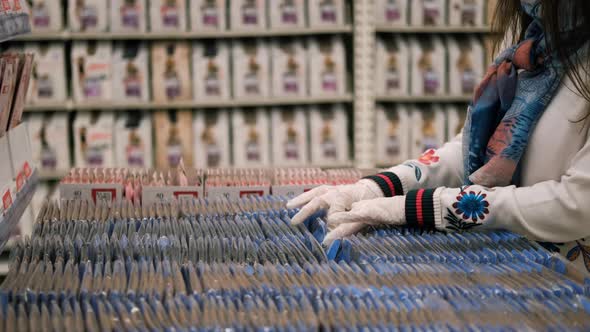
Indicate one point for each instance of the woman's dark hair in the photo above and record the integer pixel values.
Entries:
(567, 27)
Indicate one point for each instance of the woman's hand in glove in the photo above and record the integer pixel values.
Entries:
(378, 211)
(335, 199)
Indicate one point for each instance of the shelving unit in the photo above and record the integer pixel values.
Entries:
(181, 35)
(432, 30)
(423, 99)
(250, 102)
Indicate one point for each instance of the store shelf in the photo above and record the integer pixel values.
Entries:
(66, 35)
(14, 213)
(432, 30)
(424, 99)
(52, 175)
(249, 102)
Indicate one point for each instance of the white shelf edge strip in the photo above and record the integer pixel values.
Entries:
(423, 99)
(432, 29)
(67, 35)
(72, 106)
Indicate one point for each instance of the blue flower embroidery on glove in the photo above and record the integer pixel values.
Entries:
(472, 205)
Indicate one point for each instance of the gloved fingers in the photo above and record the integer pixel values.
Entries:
(305, 198)
(343, 231)
(352, 216)
(309, 209)
(339, 202)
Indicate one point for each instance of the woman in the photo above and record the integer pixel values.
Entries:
(523, 160)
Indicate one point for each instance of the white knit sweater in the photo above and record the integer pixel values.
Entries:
(552, 200)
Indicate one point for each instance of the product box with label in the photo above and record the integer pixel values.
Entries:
(392, 12)
(171, 76)
(466, 12)
(174, 190)
(327, 66)
(329, 135)
(428, 12)
(49, 135)
(94, 139)
(247, 15)
(251, 141)
(130, 72)
(429, 74)
(211, 137)
(251, 68)
(48, 81)
(128, 15)
(466, 64)
(289, 68)
(23, 80)
(168, 15)
(428, 129)
(46, 15)
(393, 131)
(207, 15)
(286, 14)
(88, 15)
(392, 73)
(92, 71)
(324, 13)
(96, 192)
(456, 116)
(20, 155)
(289, 136)
(174, 138)
(9, 66)
(133, 140)
(211, 71)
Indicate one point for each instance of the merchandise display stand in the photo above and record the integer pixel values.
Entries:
(18, 176)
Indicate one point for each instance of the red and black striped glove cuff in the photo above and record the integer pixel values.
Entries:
(389, 183)
(420, 209)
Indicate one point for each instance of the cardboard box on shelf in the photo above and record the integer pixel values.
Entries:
(327, 67)
(50, 139)
(88, 15)
(251, 68)
(392, 12)
(133, 140)
(324, 13)
(130, 72)
(329, 135)
(92, 71)
(429, 73)
(286, 14)
(456, 116)
(211, 137)
(429, 12)
(393, 134)
(46, 16)
(171, 76)
(174, 138)
(289, 137)
(251, 141)
(208, 15)
(428, 129)
(23, 79)
(247, 15)
(94, 139)
(289, 68)
(128, 15)
(467, 13)
(211, 71)
(168, 15)
(48, 81)
(392, 73)
(466, 64)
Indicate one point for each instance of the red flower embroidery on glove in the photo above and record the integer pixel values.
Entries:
(429, 157)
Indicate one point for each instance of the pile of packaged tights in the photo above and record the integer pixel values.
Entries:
(239, 265)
